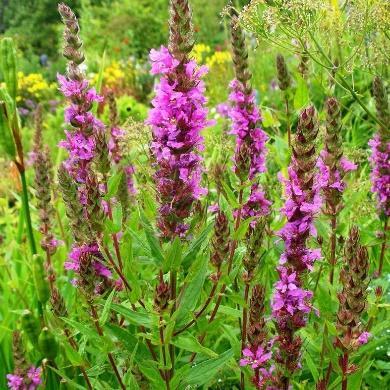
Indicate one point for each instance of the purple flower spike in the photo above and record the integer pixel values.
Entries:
(291, 303)
(177, 118)
(31, 381)
(250, 138)
(380, 175)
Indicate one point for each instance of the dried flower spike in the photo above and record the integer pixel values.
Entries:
(282, 72)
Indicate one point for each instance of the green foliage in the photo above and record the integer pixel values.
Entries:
(130, 324)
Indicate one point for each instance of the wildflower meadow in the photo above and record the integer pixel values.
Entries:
(195, 194)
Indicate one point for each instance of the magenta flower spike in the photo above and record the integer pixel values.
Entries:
(291, 302)
(250, 152)
(177, 118)
(30, 381)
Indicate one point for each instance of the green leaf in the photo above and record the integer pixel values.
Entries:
(191, 343)
(8, 65)
(180, 374)
(192, 289)
(135, 317)
(196, 244)
(113, 184)
(101, 73)
(269, 120)
(111, 227)
(130, 381)
(67, 379)
(107, 308)
(73, 355)
(301, 98)
(6, 137)
(204, 372)
(230, 197)
(173, 257)
(242, 229)
(153, 242)
(117, 214)
(150, 370)
(128, 340)
(312, 367)
(230, 311)
(83, 329)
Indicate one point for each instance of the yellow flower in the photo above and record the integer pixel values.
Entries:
(33, 84)
(219, 58)
(112, 75)
(200, 52)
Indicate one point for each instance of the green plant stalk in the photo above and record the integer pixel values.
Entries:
(230, 264)
(383, 247)
(73, 344)
(287, 118)
(20, 226)
(344, 83)
(26, 208)
(95, 320)
(244, 328)
(173, 282)
(166, 374)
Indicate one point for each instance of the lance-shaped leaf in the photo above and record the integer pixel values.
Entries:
(8, 65)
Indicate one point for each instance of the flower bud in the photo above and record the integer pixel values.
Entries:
(220, 241)
(48, 344)
(40, 281)
(31, 326)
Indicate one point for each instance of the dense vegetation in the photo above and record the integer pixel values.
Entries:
(195, 194)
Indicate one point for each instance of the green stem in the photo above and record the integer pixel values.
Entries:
(27, 214)
(345, 83)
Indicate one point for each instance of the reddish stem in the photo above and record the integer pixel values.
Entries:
(200, 312)
(73, 344)
(109, 354)
(344, 368)
(332, 248)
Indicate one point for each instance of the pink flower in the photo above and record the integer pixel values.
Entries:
(34, 374)
(177, 118)
(246, 119)
(289, 298)
(380, 174)
(15, 382)
(347, 165)
(73, 262)
(214, 208)
(255, 359)
(256, 206)
(30, 382)
(129, 172)
(331, 177)
(363, 338)
(162, 61)
(223, 110)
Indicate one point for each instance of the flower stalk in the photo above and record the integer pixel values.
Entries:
(291, 303)
(333, 168)
(380, 162)
(353, 302)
